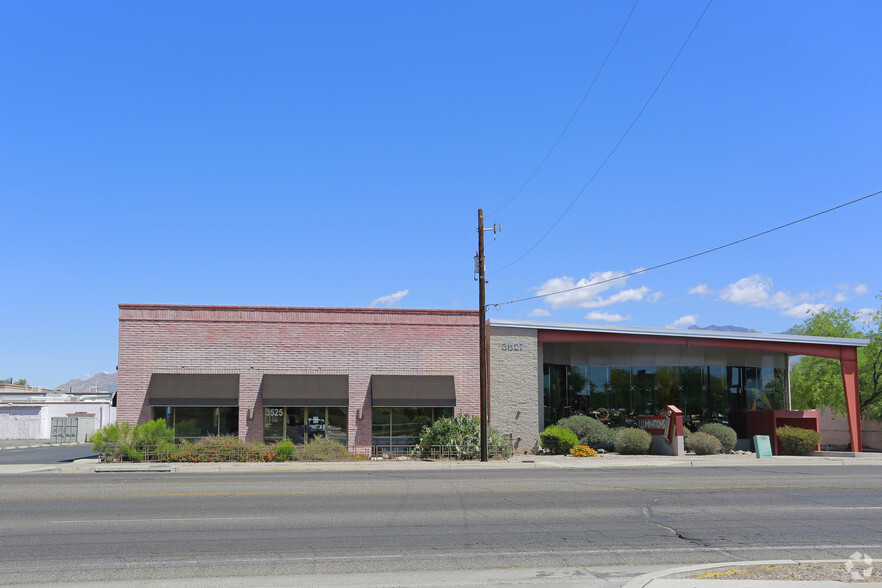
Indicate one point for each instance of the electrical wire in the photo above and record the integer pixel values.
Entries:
(693, 256)
(615, 147)
(575, 112)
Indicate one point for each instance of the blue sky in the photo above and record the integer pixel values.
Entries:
(336, 153)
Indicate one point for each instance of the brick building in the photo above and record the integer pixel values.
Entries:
(362, 376)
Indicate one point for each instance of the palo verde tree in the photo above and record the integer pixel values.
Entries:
(816, 381)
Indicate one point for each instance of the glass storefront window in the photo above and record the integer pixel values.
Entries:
(402, 425)
(578, 398)
(645, 393)
(300, 424)
(599, 382)
(619, 394)
(192, 422)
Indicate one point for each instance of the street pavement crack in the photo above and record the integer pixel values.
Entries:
(647, 515)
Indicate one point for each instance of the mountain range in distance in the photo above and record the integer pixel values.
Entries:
(731, 328)
(103, 380)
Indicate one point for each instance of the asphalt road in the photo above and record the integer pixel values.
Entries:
(47, 454)
(91, 527)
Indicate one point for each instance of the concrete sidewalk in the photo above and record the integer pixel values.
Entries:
(520, 461)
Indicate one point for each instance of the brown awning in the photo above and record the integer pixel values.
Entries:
(194, 390)
(392, 391)
(305, 390)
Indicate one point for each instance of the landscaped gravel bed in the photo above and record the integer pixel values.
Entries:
(857, 572)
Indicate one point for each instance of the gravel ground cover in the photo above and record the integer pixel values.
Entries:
(857, 572)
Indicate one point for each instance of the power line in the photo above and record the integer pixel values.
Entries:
(694, 255)
(615, 147)
(575, 112)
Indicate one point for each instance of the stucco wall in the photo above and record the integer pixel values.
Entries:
(834, 428)
(252, 341)
(514, 361)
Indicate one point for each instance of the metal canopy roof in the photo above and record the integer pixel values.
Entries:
(691, 333)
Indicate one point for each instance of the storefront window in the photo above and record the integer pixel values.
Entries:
(192, 422)
(619, 394)
(395, 426)
(302, 424)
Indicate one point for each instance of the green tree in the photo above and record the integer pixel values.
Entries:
(816, 381)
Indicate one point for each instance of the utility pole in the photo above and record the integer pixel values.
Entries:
(482, 307)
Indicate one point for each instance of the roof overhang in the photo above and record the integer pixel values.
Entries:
(550, 332)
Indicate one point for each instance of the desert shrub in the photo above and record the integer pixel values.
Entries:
(796, 441)
(220, 448)
(703, 443)
(727, 435)
(284, 450)
(582, 451)
(322, 449)
(461, 436)
(557, 440)
(112, 440)
(131, 453)
(153, 434)
(632, 441)
(589, 431)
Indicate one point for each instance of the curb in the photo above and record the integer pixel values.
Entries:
(676, 576)
(25, 446)
(133, 468)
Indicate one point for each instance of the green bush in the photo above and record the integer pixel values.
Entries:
(132, 454)
(796, 441)
(284, 450)
(589, 431)
(153, 434)
(727, 435)
(632, 442)
(460, 435)
(703, 443)
(558, 440)
(112, 440)
(323, 449)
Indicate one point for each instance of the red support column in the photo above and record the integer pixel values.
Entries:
(852, 395)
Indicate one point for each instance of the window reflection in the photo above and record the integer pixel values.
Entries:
(397, 426)
(303, 424)
(192, 422)
(620, 394)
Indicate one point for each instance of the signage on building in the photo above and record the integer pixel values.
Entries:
(514, 346)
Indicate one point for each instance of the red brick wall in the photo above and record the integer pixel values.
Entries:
(252, 341)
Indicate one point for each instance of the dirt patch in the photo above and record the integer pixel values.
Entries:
(855, 570)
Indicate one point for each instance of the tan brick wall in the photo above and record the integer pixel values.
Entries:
(514, 362)
(252, 341)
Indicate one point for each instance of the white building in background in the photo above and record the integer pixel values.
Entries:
(30, 412)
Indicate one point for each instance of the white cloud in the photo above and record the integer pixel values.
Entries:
(756, 290)
(655, 296)
(804, 309)
(390, 299)
(606, 316)
(701, 290)
(840, 297)
(539, 312)
(591, 296)
(684, 322)
(860, 289)
(865, 315)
